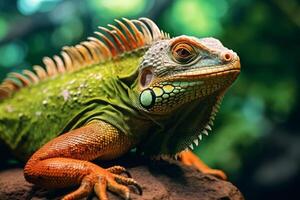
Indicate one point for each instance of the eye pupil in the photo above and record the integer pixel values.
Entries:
(183, 52)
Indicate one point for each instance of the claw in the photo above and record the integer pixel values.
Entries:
(139, 188)
(118, 170)
(100, 181)
(129, 181)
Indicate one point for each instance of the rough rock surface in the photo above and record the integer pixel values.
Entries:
(160, 180)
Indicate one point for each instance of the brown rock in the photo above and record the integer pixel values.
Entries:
(160, 180)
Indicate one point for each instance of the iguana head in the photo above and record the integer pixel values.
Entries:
(183, 80)
(176, 71)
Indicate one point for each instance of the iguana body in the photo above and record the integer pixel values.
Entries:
(134, 88)
(67, 102)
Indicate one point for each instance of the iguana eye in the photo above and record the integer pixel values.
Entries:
(183, 53)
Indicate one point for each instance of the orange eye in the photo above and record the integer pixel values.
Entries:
(183, 52)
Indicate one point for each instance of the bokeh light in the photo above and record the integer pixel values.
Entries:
(204, 15)
(28, 7)
(3, 27)
(12, 54)
(67, 33)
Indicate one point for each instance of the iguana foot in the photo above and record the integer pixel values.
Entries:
(189, 158)
(100, 180)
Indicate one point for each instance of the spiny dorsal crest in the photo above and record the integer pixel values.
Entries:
(111, 43)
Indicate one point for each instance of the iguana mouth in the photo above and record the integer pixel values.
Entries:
(193, 75)
(209, 71)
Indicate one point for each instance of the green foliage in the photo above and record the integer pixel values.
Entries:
(203, 15)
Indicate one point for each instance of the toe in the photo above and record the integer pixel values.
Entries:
(83, 191)
(118, 170)
(217, 173)
(100, 189)
(118, 188)
(128, 181)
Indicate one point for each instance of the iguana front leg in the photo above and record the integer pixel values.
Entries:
(189, 158)
(64, 161)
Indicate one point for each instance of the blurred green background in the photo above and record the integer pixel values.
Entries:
(256, 135)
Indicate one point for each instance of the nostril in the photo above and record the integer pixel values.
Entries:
(227, 56)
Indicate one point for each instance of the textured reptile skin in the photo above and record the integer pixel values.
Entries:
(64, 161)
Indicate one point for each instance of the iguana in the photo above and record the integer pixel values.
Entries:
(131, 87)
